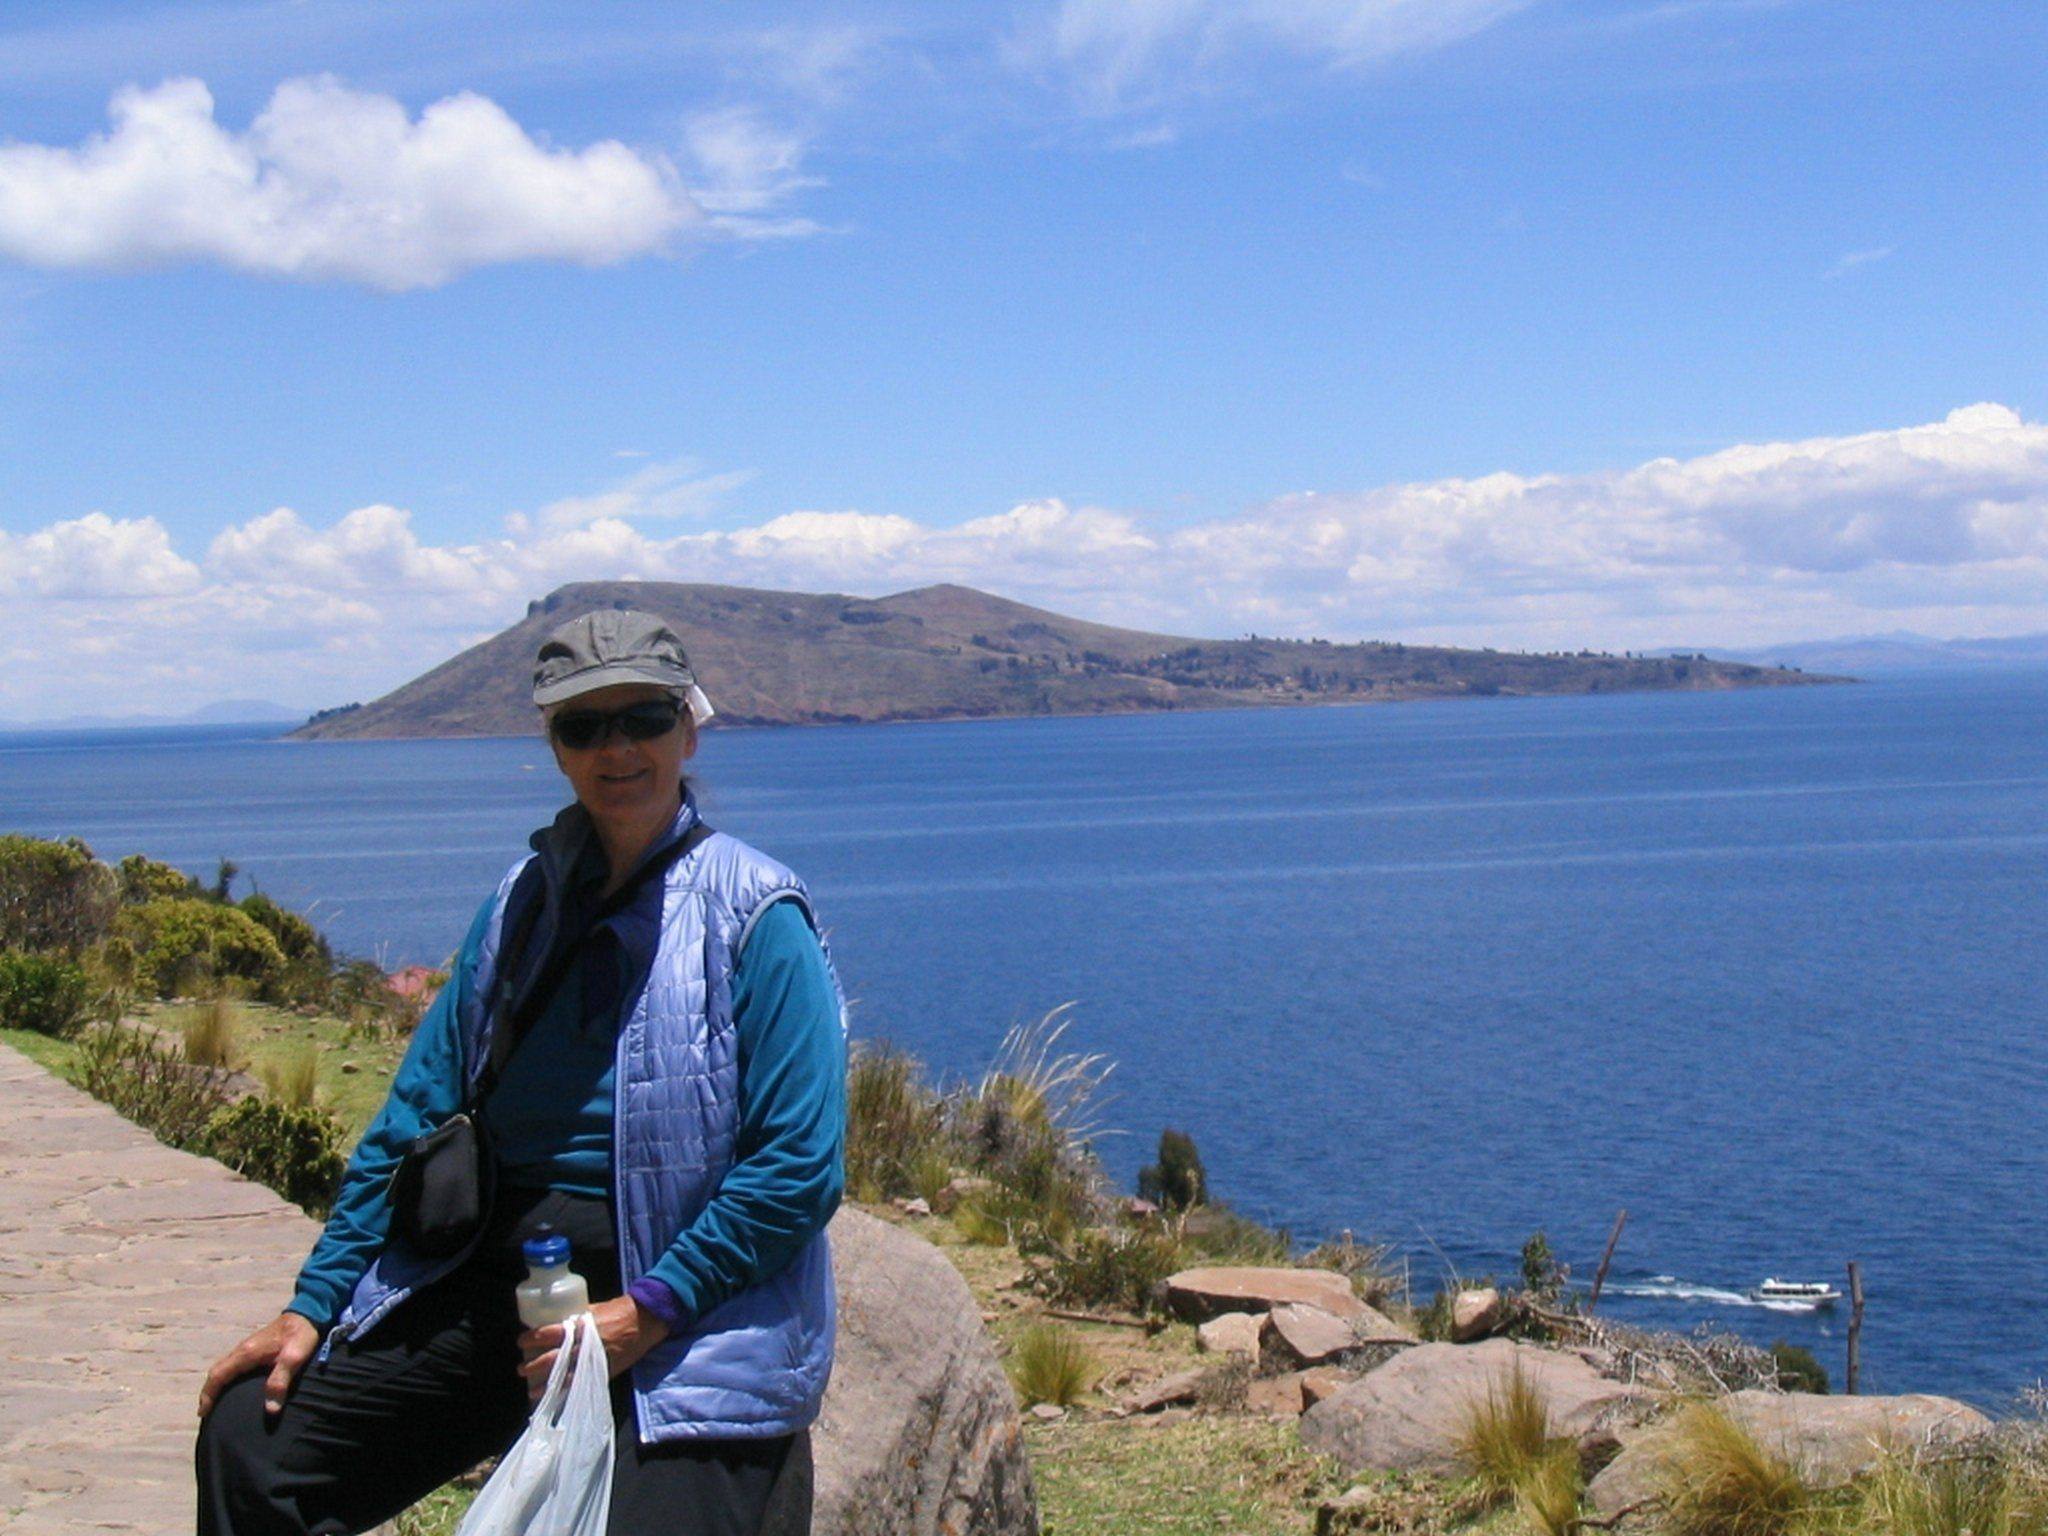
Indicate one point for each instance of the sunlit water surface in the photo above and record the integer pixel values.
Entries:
(1765, 968)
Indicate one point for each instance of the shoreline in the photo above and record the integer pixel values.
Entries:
(1817, 680)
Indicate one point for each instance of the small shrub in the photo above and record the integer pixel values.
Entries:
(1041, 1089)
(209, 1032)
(1025, 1127)
(1050, 1365)
(893, 1124)
(360, 992)
(1218, 1233)
(1798, 1371)
(145, 879)
(300, 940)
(182, 940)
(54, 895)
(1432, 1323)
(294, 1149)
(1542, 1276)
(41, 992)
(1223, 1387)
(1368, 1266)
(294, 1081)
(149, 1082)
(1548, 1497)
(931, 1170)
(1505, 1436)
(1106, 1266)
(974, 1221)
(110, 973)
(1716, 1480)
(1177, 1181)
(1975, 1496)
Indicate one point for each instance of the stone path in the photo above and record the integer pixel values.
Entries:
(125, 1270)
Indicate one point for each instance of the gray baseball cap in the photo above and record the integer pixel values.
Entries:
(615, 645)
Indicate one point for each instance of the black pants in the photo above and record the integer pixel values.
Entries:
(435, 1388)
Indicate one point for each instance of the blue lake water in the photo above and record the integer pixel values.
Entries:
(1768, 969)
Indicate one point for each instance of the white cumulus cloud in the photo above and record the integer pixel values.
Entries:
(94, 557)
(331, 183)
(1940, 527)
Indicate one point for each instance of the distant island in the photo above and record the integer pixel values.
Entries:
(952, 653)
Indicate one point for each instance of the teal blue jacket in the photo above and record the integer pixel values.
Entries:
(784, 1183)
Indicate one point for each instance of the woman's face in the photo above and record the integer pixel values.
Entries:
(622, 780)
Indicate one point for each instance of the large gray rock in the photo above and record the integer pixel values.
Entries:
(1828, 1440)
(919, 1433)
(1408, 1414)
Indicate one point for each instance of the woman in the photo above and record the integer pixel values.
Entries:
(652, 1033)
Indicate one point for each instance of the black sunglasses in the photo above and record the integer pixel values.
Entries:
(581, 729)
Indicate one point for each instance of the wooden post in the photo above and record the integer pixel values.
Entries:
(1606, 1258)
(1855, 1326)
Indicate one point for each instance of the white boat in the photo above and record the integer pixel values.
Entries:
(1806, 1293)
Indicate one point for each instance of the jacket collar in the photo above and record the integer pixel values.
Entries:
(557, 899)
(572, 859)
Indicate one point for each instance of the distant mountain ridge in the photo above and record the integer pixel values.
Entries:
(221, 712)
(951, 652)
(1900, 652)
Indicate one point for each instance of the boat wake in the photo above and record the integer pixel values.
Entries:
(1671, 1288)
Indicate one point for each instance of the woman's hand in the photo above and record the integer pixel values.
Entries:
(283, 1347)
(628, 1329)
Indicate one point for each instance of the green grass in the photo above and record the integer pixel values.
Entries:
(295, 1081)
(1717, 1481)
(1961, 1497)
(51, 1054)
(1505, 1439)
(437, 1514)
(1050, 1365)
(211, 1032)
(1548, 1495)
(274, 1041)
(1207, 1476)
(270, 1040)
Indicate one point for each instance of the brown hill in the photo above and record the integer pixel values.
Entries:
(950, 652)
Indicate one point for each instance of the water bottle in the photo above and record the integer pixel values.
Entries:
(551, 1292)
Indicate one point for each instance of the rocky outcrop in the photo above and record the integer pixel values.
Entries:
(1828, 1440)
(1475, 1314)
(1198, 1294)
(1233, 1333)
(1310, 1335)
(1169, 1391)
(919, 1433)
(1323, 1381)
(1407, 1415)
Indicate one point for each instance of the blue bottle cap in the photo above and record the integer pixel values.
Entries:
(546, 1252)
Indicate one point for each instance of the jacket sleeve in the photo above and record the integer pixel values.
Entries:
(425, 1092)
(788, 1167)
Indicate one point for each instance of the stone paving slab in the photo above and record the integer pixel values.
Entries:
(126, 1269)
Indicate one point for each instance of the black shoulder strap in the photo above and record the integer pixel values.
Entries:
(508, 1034)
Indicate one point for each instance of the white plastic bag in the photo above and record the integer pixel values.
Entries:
(557, 1478)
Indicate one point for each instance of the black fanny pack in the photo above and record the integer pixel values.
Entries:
(441, 1194)
(442, 1190)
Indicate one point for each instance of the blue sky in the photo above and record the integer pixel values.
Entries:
(331, 333)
